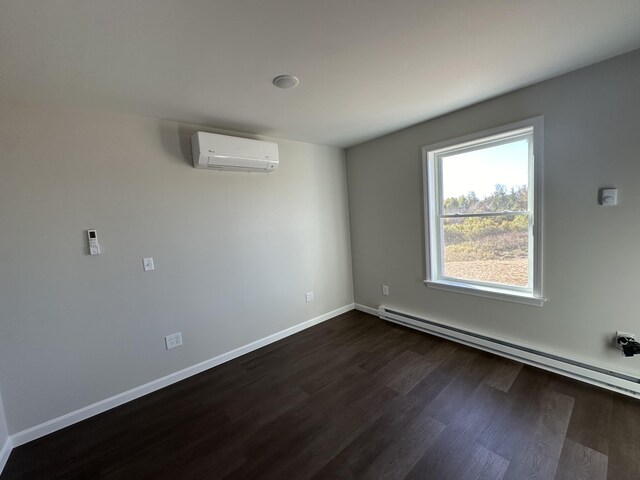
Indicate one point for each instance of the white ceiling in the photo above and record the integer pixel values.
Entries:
(367, 67)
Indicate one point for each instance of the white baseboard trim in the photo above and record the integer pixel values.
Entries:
(578, 369)
(4, 453)
(63, 421)
(365, 309)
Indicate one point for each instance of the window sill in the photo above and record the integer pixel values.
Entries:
(495, 294)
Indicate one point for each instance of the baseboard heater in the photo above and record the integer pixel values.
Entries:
(602, 377)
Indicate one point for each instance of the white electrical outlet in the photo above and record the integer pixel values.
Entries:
(622, 338)
(385, 289)
(174, 340)
(309, 296)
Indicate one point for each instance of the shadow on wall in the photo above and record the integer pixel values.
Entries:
(176, 140)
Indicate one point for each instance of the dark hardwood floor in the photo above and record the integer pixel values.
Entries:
(354, 397)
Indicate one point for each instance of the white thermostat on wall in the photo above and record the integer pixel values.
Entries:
(608, 197)
(94, 246)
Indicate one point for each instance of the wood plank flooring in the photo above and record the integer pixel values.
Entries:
(353, 398)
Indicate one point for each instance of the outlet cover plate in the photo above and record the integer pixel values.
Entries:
(309, 296)
(174, 340)
(624, 334)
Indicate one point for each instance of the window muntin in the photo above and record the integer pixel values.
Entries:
(487, 239)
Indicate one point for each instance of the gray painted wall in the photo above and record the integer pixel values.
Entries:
(591, 259)
(234, 253)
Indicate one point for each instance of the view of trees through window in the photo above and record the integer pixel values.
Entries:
(488, 248)
(481, 218)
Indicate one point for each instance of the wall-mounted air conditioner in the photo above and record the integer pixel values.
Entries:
(223, 152)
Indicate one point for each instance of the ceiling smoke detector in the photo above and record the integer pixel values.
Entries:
(286, 81)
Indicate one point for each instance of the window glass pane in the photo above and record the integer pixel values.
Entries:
(487, 249)
(490, 179)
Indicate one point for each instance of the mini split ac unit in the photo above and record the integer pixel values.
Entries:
(222, 152)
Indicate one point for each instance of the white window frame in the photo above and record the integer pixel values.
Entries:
(432, 186)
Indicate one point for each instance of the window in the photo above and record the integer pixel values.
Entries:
(483, 211)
